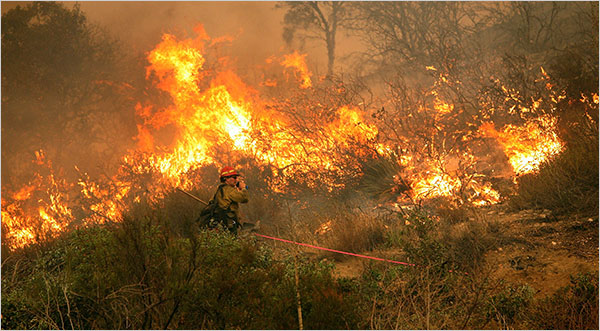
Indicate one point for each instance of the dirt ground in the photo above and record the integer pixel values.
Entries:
(533, 247)
(546, 250)
(536, 249)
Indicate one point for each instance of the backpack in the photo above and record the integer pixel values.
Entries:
(212, 215)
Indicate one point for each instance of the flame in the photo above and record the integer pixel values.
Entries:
(228, 116)
(38, 208)
(104, 202)
(199, 117)
(350, 124)
(16, 229)
(529, 146)
(297, 61)
(435, 184)
(442, 107)
(215, 118)
(324, 228)
(224, 117)
(484, 194)
(24, 193)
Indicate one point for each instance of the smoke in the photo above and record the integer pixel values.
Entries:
(255, 26)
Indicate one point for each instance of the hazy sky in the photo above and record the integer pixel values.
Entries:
(255, 25)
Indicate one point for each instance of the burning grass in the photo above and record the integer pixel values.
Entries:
(306, 139)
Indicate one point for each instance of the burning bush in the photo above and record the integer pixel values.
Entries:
(567, 182)
(310, 139)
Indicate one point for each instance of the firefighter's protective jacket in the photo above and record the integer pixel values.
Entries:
(231, 199)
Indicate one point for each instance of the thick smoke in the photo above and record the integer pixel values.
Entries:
(255, 26)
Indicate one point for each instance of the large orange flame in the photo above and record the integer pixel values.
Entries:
(527, 147)
(215, 118)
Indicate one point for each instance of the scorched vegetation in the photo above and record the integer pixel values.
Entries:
(461, 139)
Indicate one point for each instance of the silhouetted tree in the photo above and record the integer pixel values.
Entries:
(318, 20)
(423, 33)
(62, 87)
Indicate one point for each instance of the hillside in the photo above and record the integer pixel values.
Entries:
(534, 248)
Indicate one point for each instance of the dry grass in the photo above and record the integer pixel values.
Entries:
(355, 232)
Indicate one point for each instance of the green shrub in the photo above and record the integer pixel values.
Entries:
(138, 275)
(422, 242)
(433, 294)
(508, 306)
(573, 307)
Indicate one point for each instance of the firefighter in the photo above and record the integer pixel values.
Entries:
(231, 192)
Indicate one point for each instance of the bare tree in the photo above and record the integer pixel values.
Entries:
(316, 20)
(430, 33)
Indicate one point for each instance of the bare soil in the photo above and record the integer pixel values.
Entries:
(543, 251)
(534, 248)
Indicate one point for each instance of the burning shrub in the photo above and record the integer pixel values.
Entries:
(569, 181)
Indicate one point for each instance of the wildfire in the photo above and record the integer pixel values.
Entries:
(215, 118)
(323, 228)
(24, 193)
(297, 61)
(203, 119)
(15, 225)
(442, 107)
(104, 202)
(529, 146)
(38, 209)
(435, 184)
(227, 116)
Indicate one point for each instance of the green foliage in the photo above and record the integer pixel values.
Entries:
(434, 293)
(422, 243)
(142, 274)
(509, 305)
(137, 275)
(573, 307)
